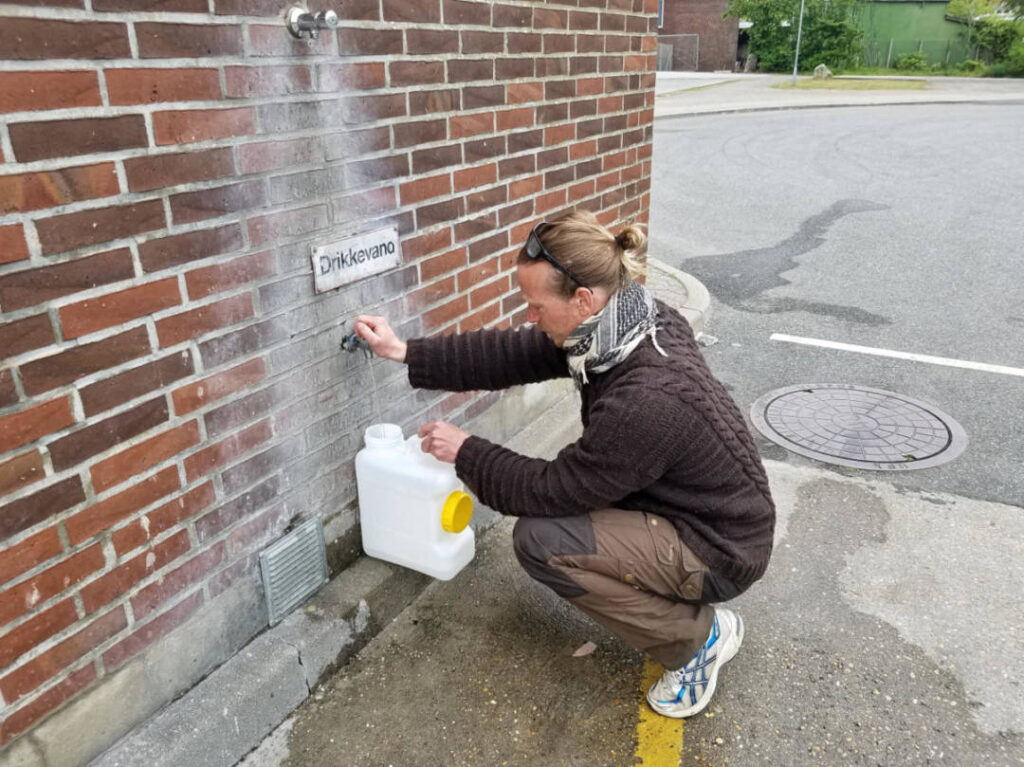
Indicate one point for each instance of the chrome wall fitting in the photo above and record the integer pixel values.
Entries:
(300, 22)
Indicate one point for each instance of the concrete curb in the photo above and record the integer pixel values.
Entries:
(681, 290)
(847, 105)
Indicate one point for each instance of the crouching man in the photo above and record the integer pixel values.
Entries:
(661, 510)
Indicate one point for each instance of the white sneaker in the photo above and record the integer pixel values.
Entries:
(687, 691)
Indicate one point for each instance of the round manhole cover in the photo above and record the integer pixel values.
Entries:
(859, 427)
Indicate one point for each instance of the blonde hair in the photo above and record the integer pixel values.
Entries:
(591, 252)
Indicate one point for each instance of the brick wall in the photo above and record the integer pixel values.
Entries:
(171, 391)
(718, 35)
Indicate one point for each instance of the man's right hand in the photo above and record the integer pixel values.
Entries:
(381, 338)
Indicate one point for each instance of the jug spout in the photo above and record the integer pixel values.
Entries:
(383, 435)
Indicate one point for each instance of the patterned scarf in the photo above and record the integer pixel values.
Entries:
(605, 339)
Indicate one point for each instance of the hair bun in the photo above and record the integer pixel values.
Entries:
(631, 238)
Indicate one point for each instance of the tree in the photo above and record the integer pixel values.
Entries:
(831, 34)
(971, 11)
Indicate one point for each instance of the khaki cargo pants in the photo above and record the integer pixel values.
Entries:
(630, 572)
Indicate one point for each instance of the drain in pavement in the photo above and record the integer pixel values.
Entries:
(859, 427)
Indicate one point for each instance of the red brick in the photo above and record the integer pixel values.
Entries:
(25, 335)
(172, 41)
(12, 244)
(206, 319)
(135, 460)
(416, 11)
(36, 286)
(247, 82)
(272, 155)
(122, 578)
(20, 599)
(515, 118)
(200, 393)
(102, 435)
(521, 93)
(118, 389)
(105, 514)
(28, 425)
(420, 132)
(191, 246)
(33, 191)
(268, 525)
(35, 631)
(468, 70)
(303, 221)
(545, 18)
(351, 77)
(26, 716)
(156, 628)
(49, 39)
(92, 227)
(405, 73)
(153, 86)
(20, 471)
(426, 244)
(50, 501)
(46, 666)
(478, 273)
(176, 581)
(206, 460)
(473, 177)
(428, 42)
(581, 191)
(526, 187)
(434, 101)
(248, 7)
(152, 6)
(64, 138)
(118, 308)
(480, 319)
(559, 135)
(30, 553)
(430, 294)
(434, 267)
(201, 125)
(231, 274)
(162, 518)
(24, 91)
(551, 201)
(211, 203)
(462, 126)
(79, 361)
(425, 189)
(164, 170)
(442, 315)
(456, 12)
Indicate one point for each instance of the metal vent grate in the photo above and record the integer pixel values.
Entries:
(293, 568)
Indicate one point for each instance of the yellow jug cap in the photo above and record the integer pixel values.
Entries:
(457, 511)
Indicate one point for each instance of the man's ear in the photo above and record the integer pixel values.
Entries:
(585, 300)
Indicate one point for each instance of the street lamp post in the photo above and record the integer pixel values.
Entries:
(799, 29)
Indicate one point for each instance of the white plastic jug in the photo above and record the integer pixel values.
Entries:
(413, 509)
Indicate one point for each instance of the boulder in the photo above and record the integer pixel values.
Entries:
(821, 72)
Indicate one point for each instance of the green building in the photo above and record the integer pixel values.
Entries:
(896, 27)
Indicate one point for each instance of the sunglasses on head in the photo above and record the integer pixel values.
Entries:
(535, 249)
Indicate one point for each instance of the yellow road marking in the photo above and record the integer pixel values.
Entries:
(659, 740)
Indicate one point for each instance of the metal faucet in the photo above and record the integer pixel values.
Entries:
(300, 21)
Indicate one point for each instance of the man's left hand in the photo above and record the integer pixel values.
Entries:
(442, 440)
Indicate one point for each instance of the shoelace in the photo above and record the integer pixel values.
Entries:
(687, 676)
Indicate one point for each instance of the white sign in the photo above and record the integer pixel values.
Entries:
(353, 258)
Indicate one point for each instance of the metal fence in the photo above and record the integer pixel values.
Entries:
(678, 53)
(883, 53)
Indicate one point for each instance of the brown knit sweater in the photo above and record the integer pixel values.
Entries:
(660, 435)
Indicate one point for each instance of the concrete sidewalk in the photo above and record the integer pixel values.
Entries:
(681, 94)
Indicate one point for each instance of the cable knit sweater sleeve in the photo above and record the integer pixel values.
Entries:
(628, 443)
(484, 359)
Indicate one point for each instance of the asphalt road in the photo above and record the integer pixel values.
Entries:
(892, 227)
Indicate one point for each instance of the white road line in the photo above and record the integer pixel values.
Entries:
(948, 362)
